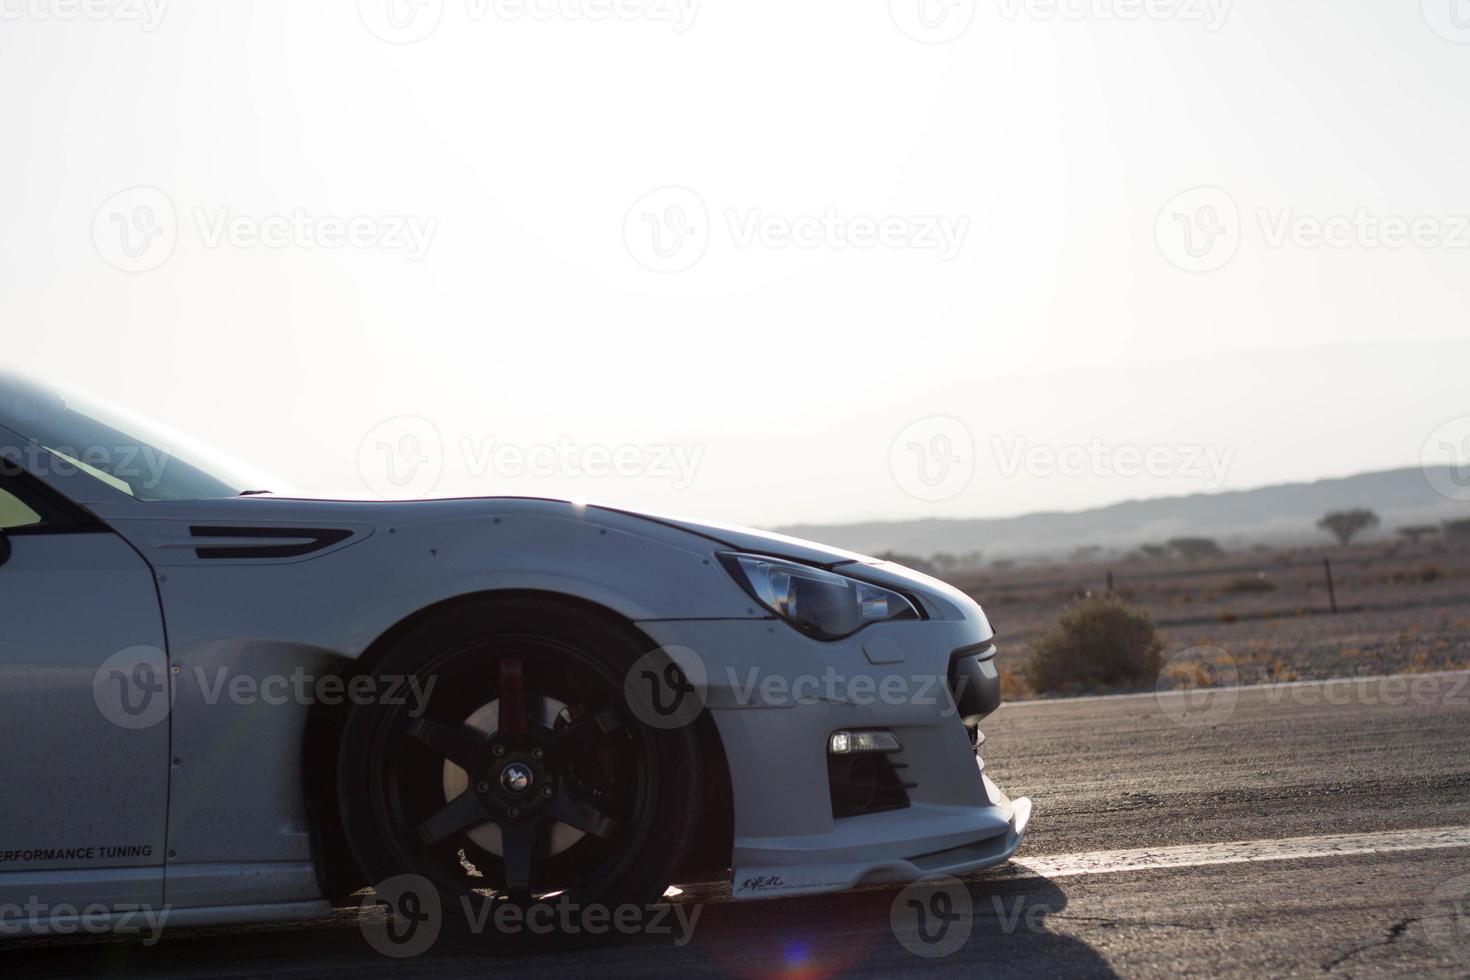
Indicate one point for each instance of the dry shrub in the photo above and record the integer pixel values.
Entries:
(1013, 686)
(1193, 676)
(1422, 575)
(1247, 585)
(1098, 644)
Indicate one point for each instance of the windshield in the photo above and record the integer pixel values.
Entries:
(138, 457)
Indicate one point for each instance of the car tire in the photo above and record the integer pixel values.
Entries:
(529, 694)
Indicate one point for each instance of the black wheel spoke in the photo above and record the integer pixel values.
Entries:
(533, 734)
(581, 737)
(570, 810)
(464, 812)
(462, 746)
(518, 847)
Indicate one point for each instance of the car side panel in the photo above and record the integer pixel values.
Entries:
(247, 636)
(85, 784)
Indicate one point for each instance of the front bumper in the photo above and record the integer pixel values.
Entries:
(810, 878)
(776, 696)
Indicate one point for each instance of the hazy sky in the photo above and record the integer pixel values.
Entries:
(756, 261)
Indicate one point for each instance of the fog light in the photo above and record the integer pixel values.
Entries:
(853, 743)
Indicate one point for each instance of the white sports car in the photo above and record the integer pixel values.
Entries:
(237, 706)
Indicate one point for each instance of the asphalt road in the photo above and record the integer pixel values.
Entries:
(1315, 830)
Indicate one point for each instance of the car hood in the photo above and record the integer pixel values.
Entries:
(759, 542)
(943, 600)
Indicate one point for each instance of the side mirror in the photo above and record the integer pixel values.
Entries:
(4, 547)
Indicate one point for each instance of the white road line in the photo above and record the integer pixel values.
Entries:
(1268, 686)
(1240, 852)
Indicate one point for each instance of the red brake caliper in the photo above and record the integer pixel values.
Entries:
(514, 718)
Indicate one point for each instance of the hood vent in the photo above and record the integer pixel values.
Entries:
(235, 543)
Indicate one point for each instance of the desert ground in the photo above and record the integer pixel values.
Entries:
(1401, 609)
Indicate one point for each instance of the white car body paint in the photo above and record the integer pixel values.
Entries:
(217, 794)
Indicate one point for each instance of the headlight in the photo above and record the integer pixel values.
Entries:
(822, 603)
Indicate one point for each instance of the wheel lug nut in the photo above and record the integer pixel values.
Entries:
(546, 792)
(483, 786)
(499, 751)
(537, 753)
(513, 812)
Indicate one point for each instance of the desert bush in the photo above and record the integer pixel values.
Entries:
(1195, 549)
(1418, 532)
(1254, 584)
(1098, 643)
(1424, 574)
(1013, 686)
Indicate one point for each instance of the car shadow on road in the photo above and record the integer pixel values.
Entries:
(997, 928)
(989, 927)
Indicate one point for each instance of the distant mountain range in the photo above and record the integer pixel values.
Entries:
(1277, 515)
